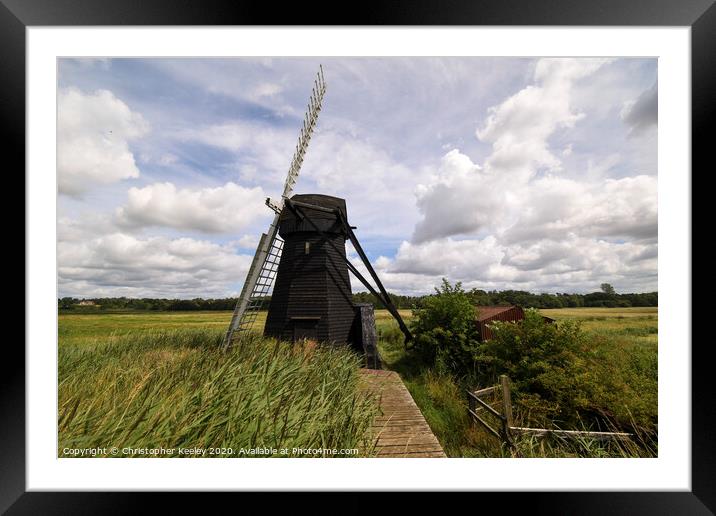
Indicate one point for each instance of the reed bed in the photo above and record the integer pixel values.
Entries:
(175, 389)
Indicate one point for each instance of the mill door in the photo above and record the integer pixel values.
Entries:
(305, 328)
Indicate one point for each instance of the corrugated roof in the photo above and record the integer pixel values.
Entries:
(485, 312)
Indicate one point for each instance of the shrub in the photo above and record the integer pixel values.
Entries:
(544, 361)
(562, 374)
(445, 331)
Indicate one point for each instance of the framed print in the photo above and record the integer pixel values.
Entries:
(455, 283)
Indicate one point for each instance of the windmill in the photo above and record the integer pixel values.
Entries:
(303, 251)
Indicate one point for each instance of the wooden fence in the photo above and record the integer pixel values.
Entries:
(477, 407)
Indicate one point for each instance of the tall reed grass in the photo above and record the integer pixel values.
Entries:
(177, 389)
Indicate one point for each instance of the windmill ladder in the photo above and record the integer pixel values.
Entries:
(250, 303)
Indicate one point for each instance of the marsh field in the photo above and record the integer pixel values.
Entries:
(145, 380)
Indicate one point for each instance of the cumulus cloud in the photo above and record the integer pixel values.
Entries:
(119, 264)
(519, 127)
(93, 135)
(228, 208)
(569, 264)
(448, 257)
(464, 197)
(554, 207)
(642, 112)
(460, 198)
(516, 221)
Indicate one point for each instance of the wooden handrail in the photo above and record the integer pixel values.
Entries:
(486, 406)
(572, 433)
(506, 418)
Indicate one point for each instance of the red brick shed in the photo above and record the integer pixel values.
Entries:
(488, 314)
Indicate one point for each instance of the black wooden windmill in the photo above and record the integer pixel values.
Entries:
(304, 254)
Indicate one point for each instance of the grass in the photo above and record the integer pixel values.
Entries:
(160, 376)
(634, 325)
(136, 381)
(89, 328)
(624, 349)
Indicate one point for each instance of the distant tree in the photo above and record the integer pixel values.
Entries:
(66, 303)
(607, 289)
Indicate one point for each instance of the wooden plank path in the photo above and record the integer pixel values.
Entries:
(400, 429)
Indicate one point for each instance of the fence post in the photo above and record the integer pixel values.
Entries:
(506, 407)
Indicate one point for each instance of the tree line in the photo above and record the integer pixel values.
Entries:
(606, 297)
(528, 299)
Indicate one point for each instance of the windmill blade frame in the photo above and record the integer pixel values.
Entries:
(262, 271)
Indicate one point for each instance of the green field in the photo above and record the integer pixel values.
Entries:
(633, 324)
(90, 328)
(157, 378)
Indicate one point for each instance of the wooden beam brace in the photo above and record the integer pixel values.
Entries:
(486, 406)
(484, 423)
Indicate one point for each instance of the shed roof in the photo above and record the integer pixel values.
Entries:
(485, 312)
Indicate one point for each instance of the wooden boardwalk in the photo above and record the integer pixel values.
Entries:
(400, 429)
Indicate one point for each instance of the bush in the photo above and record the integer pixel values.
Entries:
(544, 361)
(445, 331)
(561, 374)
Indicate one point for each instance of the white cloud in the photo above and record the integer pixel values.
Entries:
(225, 209)
(102, 62)
(119, 264)
(570, 264)
(93, 133)
(465, 197)
(555, 235)
(536, 229)
(460, 198)
(519, 127)
(378, 189)
(554, 208)
(454, 258)
(336, 163)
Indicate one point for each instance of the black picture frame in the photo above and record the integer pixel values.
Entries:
(17, 15)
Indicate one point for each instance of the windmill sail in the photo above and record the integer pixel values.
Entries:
(262, 271)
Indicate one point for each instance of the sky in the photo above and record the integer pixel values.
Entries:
(500, 173)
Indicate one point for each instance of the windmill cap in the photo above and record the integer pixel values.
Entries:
(326, 221)
(324, 201)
